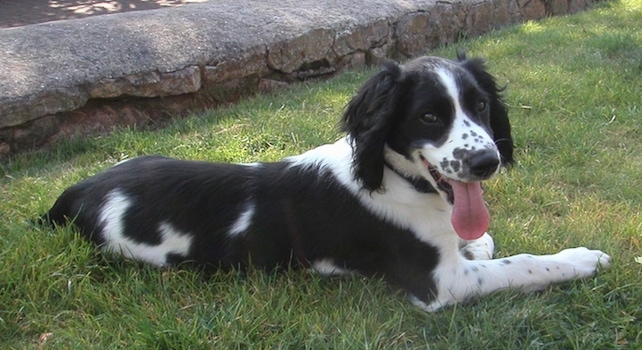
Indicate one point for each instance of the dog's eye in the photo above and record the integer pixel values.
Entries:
(481, 106)
(429, 118)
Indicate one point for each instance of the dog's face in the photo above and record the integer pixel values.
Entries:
(433, 119)
(445, 124)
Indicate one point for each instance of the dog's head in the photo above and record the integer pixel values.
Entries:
(433, 120)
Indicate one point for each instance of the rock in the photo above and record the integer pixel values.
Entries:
(266, 85)
(310, 50)
(360, 39)
(151, 84)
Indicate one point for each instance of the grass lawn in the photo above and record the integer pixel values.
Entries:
(575, 96)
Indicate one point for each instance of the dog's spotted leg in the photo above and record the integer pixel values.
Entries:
(469, 278)
(478, 249)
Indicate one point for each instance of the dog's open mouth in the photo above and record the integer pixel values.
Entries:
(442, 183)
(470, 217)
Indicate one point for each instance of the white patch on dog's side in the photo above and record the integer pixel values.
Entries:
(173, 241)
(111, 217)
(244, 220)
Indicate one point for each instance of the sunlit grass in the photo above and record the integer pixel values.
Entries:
(573, 86)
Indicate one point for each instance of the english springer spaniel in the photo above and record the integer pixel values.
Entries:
(399, 196)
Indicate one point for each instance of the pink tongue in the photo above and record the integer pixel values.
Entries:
(470, 217)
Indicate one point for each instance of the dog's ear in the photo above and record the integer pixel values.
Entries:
(499, 122)
(367, 120)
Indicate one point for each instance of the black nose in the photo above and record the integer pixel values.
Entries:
(483, 163)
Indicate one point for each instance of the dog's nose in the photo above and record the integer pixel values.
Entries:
(483, 163)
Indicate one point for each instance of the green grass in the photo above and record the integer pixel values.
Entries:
(575, 96)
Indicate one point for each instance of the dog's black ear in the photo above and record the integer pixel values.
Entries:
(368, 119)
(499, 122)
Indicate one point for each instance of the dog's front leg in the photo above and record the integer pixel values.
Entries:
(464, 279)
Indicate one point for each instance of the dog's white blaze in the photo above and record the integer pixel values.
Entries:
(243, 221)
(477, 137)
(463, 123)
(451, 86)
(111, 215)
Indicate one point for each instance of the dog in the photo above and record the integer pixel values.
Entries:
(399, 196)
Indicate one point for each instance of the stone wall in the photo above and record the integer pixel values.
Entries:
(88, 75)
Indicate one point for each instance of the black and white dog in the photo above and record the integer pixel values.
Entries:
(398, 197)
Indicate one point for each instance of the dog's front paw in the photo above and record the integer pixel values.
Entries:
(585, 262)
(478, 249)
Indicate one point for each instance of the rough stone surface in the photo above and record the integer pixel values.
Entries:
(149, 84)
(89, 75)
